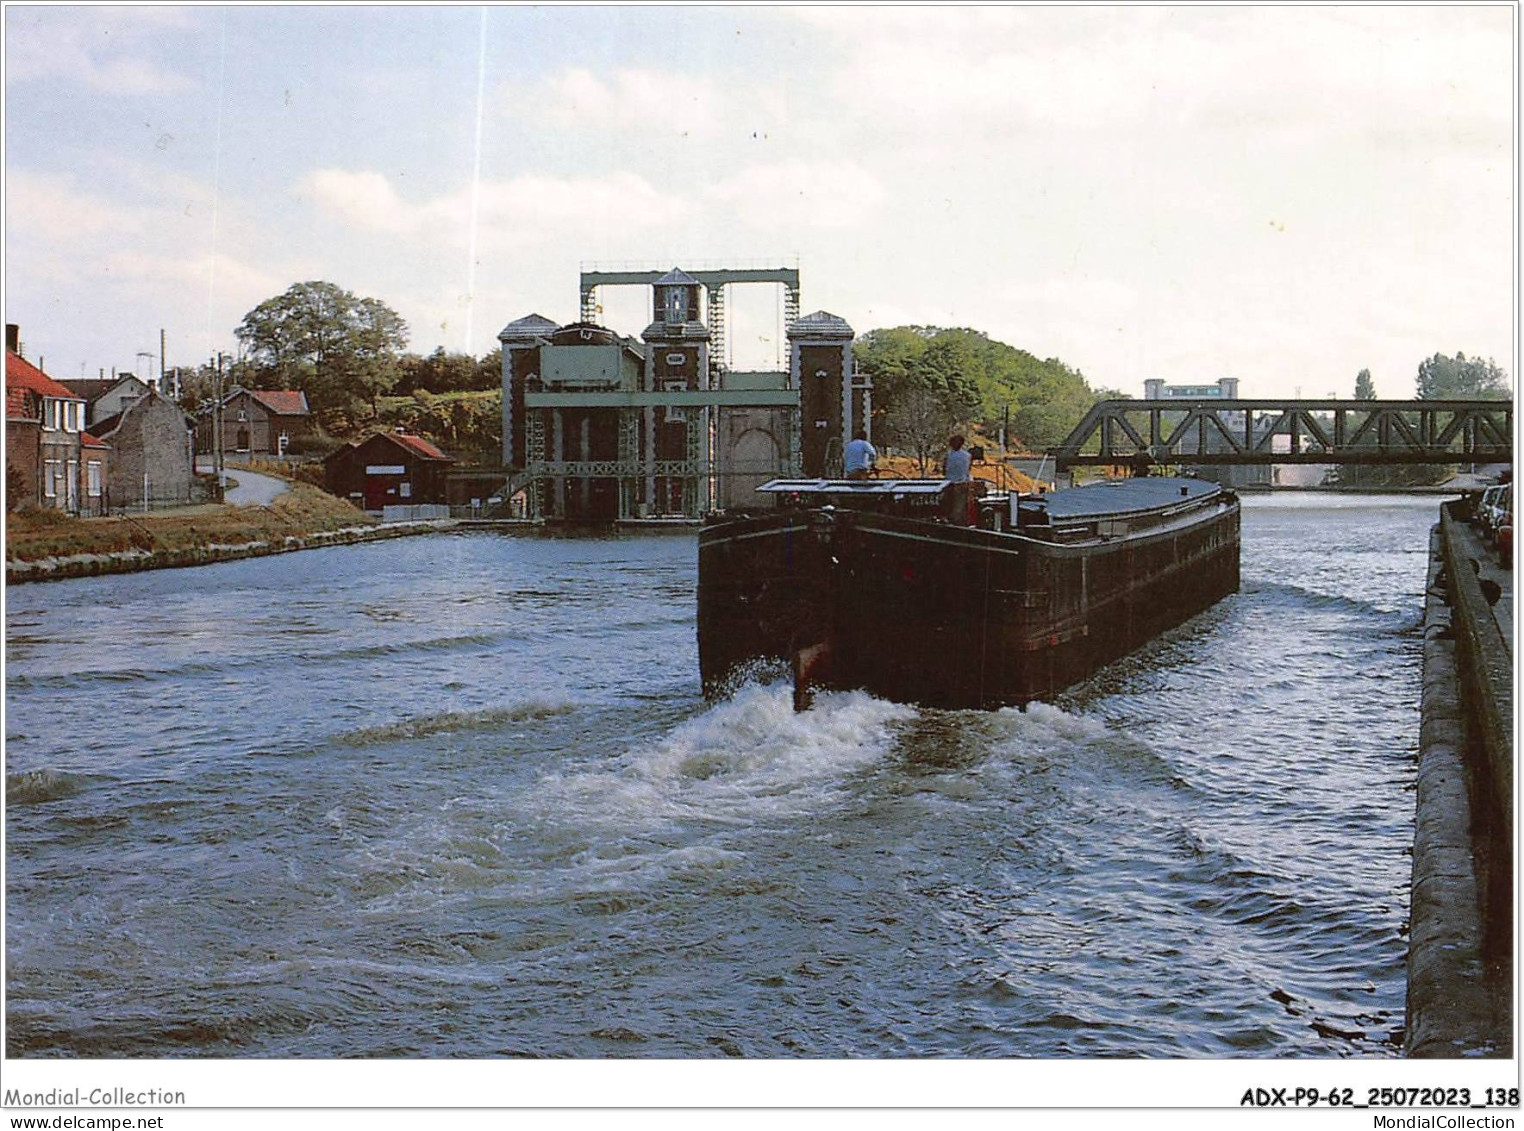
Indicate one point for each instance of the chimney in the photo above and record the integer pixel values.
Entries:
(13, 338)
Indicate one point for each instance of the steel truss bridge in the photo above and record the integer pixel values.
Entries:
(1290, 431)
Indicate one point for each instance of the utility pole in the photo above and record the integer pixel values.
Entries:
(222, 477)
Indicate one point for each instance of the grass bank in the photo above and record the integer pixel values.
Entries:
(48, 545)
(302, 511)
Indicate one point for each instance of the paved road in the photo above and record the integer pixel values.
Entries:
(252, 490)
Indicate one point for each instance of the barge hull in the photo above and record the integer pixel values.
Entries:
(945, 616)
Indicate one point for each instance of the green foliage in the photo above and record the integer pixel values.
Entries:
(1439, 378)
(973, 381)
(1461, 378)
(443, 372)
(468, 425)
(338, 348)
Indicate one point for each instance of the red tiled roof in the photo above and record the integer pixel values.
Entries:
(21, 404)
(417, 444)
(21, 373)
(88, 441)
(285, 402)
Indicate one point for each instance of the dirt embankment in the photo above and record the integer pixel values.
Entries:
(49, 545)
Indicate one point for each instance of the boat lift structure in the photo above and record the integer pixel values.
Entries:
(598, 427)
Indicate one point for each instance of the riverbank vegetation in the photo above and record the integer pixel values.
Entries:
(299, 513)
(1440, 378)
(929, 381)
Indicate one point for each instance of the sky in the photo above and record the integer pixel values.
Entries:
(1286, 195)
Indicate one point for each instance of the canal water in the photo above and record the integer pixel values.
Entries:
(458, 796)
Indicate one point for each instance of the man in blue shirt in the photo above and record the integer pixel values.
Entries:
(955, 469)
(858, 457)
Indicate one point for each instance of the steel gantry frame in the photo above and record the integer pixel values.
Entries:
(714, 280)
(1290, 431)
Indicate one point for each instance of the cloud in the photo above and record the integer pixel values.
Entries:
(630, 98)
(52, 208)
(154, 274)
(105, 49)
(1365, 76)
(365, 199)
(801, 194)
(59, 231)
(526, 209)
(621, 198)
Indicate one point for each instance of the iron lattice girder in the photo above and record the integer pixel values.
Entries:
(1321, 431)
(615, 468)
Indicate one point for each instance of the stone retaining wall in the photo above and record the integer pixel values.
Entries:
(130, 561)
(1460, 923)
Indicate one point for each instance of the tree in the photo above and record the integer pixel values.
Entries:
(921, 421)
(440, 372)
(975, 379)
(1365, 388)
(338, 348)
(1460, 378)
(952, 368)
(468, 425)
(489, 371)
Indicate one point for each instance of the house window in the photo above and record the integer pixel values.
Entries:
(52, 414)
(52, 473)
(93, 478)
(73, 416)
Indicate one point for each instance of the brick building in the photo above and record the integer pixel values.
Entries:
(151, 458)
(44, 423)
(96, 455)
(263, 422)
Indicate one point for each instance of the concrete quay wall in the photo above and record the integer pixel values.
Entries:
(131, 561)
(1461, 918)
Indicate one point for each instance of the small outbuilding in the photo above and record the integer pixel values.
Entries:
(388, 469)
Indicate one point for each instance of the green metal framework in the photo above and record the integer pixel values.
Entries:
(1326, 431)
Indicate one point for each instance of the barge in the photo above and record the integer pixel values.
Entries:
(875, 585)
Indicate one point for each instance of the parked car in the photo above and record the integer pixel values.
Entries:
(1487, 511)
